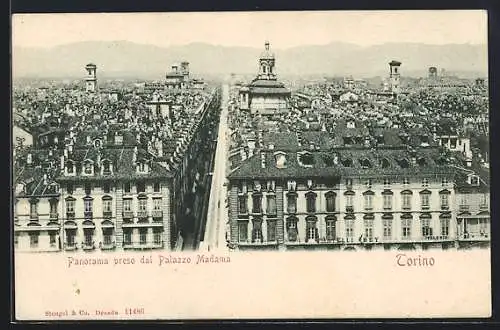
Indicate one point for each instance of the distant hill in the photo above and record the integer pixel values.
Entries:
(127, 59)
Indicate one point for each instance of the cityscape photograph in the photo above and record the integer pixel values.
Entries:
(237, 132)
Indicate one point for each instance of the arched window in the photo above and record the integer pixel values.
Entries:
(70, 168)
(365, 163)
(404, 163)
(305, 159)
(88, 167)
(330, 228)
(106, 167)
(311, 229)
(291, 228)
(384, 163)
(406, 225)
(311, 202)
(257, 230)
(330, 201)
(347, 162)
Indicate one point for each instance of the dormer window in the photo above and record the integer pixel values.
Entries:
(142, 167)
(88, 167)
(421, 161)
(473, 180)
(404, 163)
(70, 167)
(347, 162)
(118, 139)
(280, 159)
(292, 185)
(385, 163)
(305, 159)
(365, 163)
(106, 167)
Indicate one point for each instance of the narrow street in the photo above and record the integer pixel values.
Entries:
(214, 238)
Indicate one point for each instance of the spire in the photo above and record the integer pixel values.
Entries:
(267, 45)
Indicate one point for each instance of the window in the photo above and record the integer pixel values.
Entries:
(88, 234)
(330, 229)
(425, 182)
(70, 237)
(142, 167)
(88, 188)
(271, 205)
(106, 188)
(292, 203)
(70, 188)
(311, 231)
(444, 198)
(368, 202)
(257, 231)
(106, 167)
(257, 203)
(34, 239)
(142, 205)
(156, 204)
(16, 238)
(34, 208)
(484, 201)
(483, 227)
(243, 231)
(141, 187)
(87, 205)
(445, 226)
(349, 229)
(424, 199)
(271, 230)
(126, 187)
(107, 234)
(387, 182)
(127, 205)
(157, 236)
(349, 202)
(242, 205)
(106, 205)
(88, 168)
(387, 202)
(406, 227)
(310, 202)
(291, 228)
(387, 224)
(406, 201)
(368, 229)
(127, 236)
(156, 187)
(69, 168)
(426, 227)
(330, 201)
(143, 236)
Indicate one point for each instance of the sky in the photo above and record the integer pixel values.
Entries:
(282, 29)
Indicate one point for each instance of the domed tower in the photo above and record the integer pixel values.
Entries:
(266, 64)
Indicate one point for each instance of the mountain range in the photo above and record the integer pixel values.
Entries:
(128, 59)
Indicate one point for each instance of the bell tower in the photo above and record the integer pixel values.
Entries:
(266, 64)
(395, 76)
(91, 78)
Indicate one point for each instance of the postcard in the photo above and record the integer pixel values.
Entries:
(251, 165)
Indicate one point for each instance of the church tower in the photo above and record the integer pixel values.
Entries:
(91, 78)
(266, 64)
(394, 76)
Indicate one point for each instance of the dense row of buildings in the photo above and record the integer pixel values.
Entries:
(115, 175)
(359, 170)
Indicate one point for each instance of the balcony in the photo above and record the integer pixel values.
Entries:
(33, 217)
(53, 216)
(463, 208)
(484, 207)
(425, 207)
(88, 215)
(445, 207)
(349, 209)
(157, 214)
(70, 246)
(477, 236)
(406, 207)
(128, 215)
(70, 215)
(142, 214)
(107, 245)
(86, 246)
(107, 214)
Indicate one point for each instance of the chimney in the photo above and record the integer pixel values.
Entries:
(134, 155)
(62, 161)
(262, 160)
(29, 159)
(45, 179)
